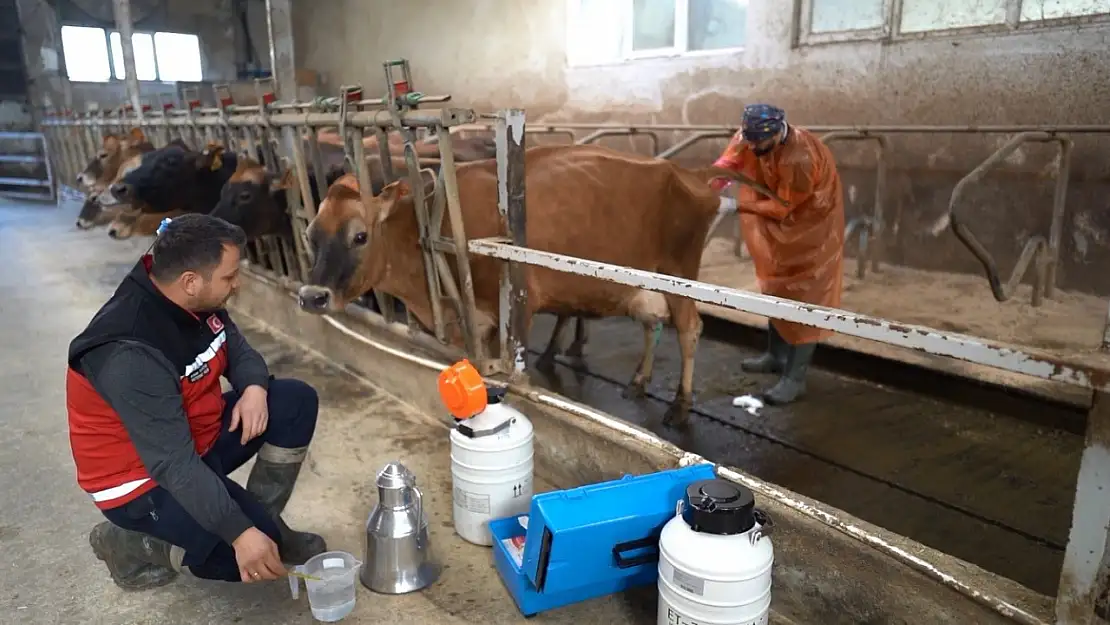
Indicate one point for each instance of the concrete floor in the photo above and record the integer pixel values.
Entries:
(54, 279)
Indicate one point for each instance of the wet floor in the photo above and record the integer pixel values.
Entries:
(985, 487)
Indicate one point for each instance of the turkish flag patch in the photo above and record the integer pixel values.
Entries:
(215, 324)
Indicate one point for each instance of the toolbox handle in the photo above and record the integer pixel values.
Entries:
(647, 558)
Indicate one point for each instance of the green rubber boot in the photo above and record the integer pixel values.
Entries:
(271, 480)
(792, 385)
(771, 361)
(135, 561)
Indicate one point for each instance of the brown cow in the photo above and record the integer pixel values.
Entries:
(129, 223)
(94, 212)
(102, 168)
(583, 200)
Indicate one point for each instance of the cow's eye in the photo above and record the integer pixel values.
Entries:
(360, 238)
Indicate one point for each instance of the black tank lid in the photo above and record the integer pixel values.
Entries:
(719, 507)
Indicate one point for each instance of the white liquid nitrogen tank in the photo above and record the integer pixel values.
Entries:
(491, 453)
(715, 558)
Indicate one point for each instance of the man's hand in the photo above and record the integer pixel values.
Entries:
(251, 410)
(257, 557)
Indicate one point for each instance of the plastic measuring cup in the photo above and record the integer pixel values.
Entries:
(332, 597)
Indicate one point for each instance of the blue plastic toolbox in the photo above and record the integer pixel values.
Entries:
(588, 541)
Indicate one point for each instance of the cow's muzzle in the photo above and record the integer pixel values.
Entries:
(314, 299)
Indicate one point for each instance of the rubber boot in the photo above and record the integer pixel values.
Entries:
(135, 561)
(771, 361)
(792, 384)
(271, 480)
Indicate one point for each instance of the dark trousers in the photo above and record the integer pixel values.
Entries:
(292, 407)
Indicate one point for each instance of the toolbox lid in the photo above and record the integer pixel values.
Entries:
(599, 532)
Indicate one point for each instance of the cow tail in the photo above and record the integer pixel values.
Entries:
(709, 173)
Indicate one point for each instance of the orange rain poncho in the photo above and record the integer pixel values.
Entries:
(797, 250)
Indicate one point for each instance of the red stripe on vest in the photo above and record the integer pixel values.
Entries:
(102, 450)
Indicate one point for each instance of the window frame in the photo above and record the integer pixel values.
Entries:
(680, 48)
(891, 30)
(111, 57)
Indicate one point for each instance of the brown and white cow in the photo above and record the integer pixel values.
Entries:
(582, 200)
(94, 212)
(102, 169)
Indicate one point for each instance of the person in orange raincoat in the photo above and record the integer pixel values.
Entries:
(797, 249)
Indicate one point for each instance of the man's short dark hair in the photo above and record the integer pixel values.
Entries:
(193, 242)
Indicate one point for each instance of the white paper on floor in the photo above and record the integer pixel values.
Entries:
(750, 404)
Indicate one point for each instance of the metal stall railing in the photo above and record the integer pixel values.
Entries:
(1091, 518)
(284, 136)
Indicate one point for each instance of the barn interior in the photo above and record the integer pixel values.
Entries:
(948, 460)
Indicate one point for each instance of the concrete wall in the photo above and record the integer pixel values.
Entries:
(211, 20)
(496, 53)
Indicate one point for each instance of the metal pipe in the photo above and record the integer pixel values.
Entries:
(474, 344)
(425, 118)
(1035, 248)
(121, 9)
(513, 314)
(862, 223)
(691, 140)
(1056, 229)
(300, 217)
(1082, 574)
(921, 338)
(279, 30)
(621, 132)
(873, 231)
(569, 133)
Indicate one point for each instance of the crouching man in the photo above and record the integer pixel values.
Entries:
(154, 437)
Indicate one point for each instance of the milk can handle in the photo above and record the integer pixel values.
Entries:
(419, 511)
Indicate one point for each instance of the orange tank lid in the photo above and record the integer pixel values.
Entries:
(462, 390)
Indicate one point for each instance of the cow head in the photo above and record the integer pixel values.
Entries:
(346, 242)
(108, 199)
(129, 223)
(166, 176)
(101, 206)
(93, 214)
(103, 167)
(253, 200)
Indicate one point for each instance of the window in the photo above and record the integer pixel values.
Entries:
(838, 20)
(1039, 10)
(832, 16)
(608, 31)
(85, 54)
(920, 16)
(142, 44)
(178, 57)
(93, 55)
